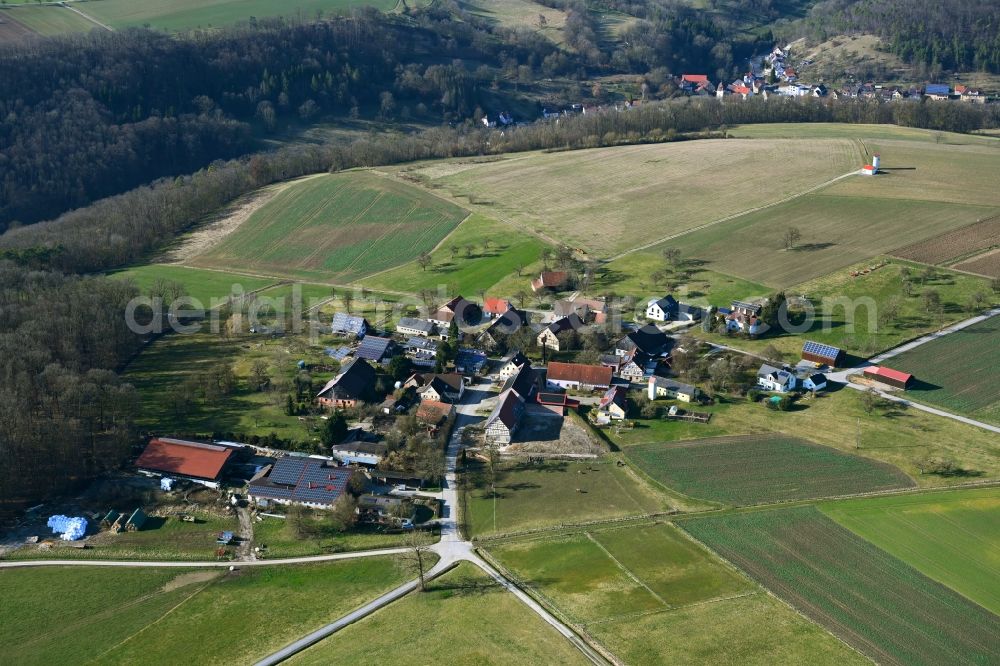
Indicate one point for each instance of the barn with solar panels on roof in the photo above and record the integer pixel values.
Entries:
(293, 480)
(822, 354)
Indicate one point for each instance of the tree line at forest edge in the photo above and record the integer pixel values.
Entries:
(66, 417)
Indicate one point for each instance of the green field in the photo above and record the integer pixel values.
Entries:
(612, 199)
(282, 540)
(176, 15)
(166, 538)
(877, 603)
(958, 371)
(151, 616)
(757, 469)
(463, 618)
(50, 20)
(952, 537)
(464, 264)
(204, 285)
(904, 439)
(556, 493)
(651, 595)
(837, 231)
(852, 131)
(336, 227)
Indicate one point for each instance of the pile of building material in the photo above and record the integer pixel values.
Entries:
(68, 529)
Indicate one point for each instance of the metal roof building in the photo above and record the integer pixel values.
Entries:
(295, 480)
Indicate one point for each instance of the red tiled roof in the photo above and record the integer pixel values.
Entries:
(174, 456)
(695, 78)
(496, 306)
(889, 373)
(550, 279)
(433, 412)
(595, 375)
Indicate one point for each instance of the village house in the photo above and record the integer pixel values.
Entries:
(523, 381)
(349, 325)
(613, 405)
(353, 385)
(937, 91)
(463, 312)
(359, 452)
(194, 461)
(590, 310)
(421, 349)
(661, 387)
(550, 280)
(743, 317)
(661, 309)
(376, 349)
(549, 336)
(434, 413)
(447, 387)
(504, 420)
(308, 482)
(410, 326)
(504, 325)
(510, 364)
(470, 362)
(633, 368)
(577, 376)
(647, 340)
(775, 379)
(810, 381)
(494, 307)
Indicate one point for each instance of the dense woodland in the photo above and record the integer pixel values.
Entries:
(935, 36)
(130, 129)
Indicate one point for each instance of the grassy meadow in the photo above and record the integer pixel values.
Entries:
(957, 371)
(530, 496)
(180, 15)
(205, 285)
(875, 602)
(760, 469)
(476, 256)
(82, 614)
(613, 199)
(50, 20)
(651, 595)
(336, 227)
(952, 537)
(902, 438)
(463, 614)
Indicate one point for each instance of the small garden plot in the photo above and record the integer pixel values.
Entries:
(883, 607)
(958, 370)
(756, 469)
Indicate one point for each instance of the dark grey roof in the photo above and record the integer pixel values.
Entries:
(648, 340)
(375, 448)
(345, 323)
(302, 480)
(354, 382)
(663, 382)
(508, 410)
(522, 381)
(374, 348)
(668, 303)
(416, 324)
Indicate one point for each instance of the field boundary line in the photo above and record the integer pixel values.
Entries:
(729, 218)
(626, 570)
(87, 16)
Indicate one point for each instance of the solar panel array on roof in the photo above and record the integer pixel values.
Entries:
(302, 480)
(820, 350)
(338, 354)
(286, 470)
(373, 348)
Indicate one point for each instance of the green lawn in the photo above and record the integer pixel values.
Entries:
(177, 15)
(462, 618)
(209, 287)
(952, 537)
(151, 616)
(759, 469)
(282, 540)
(463, 264)
(877, 603)
(851, 131)
(955, 371)
(901, 438)
(161, 539)
(336, 227)
(651, 595)
(556, 493)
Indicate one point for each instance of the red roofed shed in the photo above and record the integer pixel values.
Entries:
(888, 376)
(181, 458)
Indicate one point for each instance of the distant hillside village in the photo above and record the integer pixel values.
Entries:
(773, 75)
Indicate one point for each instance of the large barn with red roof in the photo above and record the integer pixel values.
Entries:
(202, 463)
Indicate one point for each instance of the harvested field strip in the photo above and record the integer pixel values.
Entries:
(954, 245)
(756, 469)
(987, 264)
(958, 371)
(874, 601)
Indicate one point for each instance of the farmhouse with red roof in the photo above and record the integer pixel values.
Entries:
(202, 463)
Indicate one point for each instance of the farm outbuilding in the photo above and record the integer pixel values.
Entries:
(889, 377)
(196, 461)
(824, 354)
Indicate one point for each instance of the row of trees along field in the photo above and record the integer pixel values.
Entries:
(943, 35)
(122, 229)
